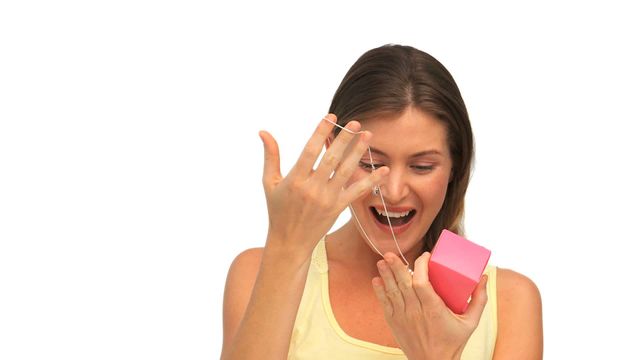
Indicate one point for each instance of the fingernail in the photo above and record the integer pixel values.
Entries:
(353, 125)
(383, 171)
(329, 117)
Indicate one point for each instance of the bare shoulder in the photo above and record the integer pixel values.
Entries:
(237, 292)
(246, 263)
(242, 274)
(515, 288)
(519, 317)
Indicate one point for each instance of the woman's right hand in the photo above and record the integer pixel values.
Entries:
(306, 203)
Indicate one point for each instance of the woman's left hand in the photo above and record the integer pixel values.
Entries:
(423, 326)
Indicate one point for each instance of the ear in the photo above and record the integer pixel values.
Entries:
(451, 176)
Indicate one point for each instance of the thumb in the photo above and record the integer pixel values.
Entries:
(479, 299)
(271, 172)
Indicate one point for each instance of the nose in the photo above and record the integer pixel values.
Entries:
(394, 187)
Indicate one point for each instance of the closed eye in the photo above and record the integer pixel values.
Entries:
(423, 167)
(369, 166)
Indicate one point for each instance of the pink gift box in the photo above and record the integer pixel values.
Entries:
(455, 268)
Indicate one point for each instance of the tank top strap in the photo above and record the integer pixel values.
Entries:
(319, 257)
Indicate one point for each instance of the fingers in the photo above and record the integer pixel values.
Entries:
(478, 301)
(271, 171)
(312, 149)
(392, 290)
(426, 294)
(363, 186)
(351, 161)
(381, 295)
(333, 156)
(404, 282)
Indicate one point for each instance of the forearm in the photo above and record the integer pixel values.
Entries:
(265, 330)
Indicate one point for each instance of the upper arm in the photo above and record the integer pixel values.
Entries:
(519, 317)
(237, 292)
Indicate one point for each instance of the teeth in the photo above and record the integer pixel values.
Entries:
(393, 214)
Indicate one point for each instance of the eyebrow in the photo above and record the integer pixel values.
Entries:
(418, 154)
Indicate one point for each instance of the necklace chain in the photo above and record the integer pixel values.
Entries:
(384, 205)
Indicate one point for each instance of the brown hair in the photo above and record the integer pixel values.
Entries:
(387, 80)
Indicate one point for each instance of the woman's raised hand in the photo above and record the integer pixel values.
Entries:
(306, 203)
(422, 324)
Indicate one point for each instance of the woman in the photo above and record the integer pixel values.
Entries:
(309, 294)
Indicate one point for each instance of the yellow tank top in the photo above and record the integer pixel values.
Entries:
(317, 335)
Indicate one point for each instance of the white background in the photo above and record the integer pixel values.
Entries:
(130, 163)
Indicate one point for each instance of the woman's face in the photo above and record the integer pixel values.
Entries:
(414, 147)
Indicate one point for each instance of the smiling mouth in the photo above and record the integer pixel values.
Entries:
(396, 219)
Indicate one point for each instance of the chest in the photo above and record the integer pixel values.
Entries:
(357, 311)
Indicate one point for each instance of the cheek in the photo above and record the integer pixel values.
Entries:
(434, 190)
